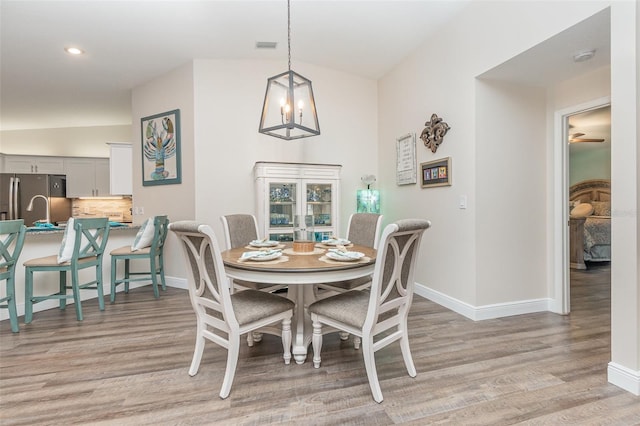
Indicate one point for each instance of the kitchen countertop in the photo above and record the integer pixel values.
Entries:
(33, 230)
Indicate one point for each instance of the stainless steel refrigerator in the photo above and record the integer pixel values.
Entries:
(17, 190)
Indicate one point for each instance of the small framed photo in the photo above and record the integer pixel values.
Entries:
(436, 173)
(161, 161)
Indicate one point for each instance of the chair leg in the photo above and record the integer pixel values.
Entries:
(154, 278)
(406, 352)
(11, 305)
(344, 335)
(114, 265)
(28, 295)
(250, 339)
(370, 366)
(62, 280)
(356, 342)
(161, 264)
(232, 362)
(76, 294)
(286, 339)
(126, 275)
(316, 341)
(100, 286)
(197, 352)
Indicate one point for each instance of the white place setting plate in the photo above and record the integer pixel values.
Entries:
(262, 255)
(336, 242)
(263, 243)
(344, 256)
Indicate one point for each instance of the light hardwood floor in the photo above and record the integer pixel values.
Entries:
(128, 365)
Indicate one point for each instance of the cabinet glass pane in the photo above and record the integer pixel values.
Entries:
(320, 236)
(282, 204)
(281, 237)
(319, 203)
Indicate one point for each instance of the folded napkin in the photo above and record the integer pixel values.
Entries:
(263, 243)
(347, 254)
(112, 224)
(336, 241)
(258, 253)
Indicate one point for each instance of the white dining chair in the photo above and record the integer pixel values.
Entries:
(239, 231)
(383, 309)
(223, 317)
(363, 229)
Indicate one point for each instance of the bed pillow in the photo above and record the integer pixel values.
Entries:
(601, 208)
(144, 237)
(581, 210)
(68, 240)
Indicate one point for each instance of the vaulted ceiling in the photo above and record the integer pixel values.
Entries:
(127, 43)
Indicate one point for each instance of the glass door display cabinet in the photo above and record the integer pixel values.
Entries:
(284, 190)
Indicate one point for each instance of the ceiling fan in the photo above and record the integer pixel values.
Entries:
(576, 137)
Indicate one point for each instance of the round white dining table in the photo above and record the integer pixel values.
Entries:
(299, 271)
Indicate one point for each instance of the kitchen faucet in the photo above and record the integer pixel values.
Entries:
(30, 206)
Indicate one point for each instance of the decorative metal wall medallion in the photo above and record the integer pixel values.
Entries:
(433, 134)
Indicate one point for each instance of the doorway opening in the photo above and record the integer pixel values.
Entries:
(583, 170)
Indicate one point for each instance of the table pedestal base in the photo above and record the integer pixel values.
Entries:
(303, 296)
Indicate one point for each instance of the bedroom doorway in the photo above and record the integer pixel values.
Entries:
(586, 176)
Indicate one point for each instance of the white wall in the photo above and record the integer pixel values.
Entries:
(229, 97)
(220, 103)
(439, 77)
(168, 92)
(510, 183)
(625, 196)
(64, 142)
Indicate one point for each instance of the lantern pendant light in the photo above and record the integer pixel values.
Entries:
(289, 110)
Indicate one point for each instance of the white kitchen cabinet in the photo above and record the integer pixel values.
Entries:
(284, 190)
(87, 177)
(33, 164)
(121, 169)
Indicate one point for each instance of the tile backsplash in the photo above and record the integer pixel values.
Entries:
(115, 209)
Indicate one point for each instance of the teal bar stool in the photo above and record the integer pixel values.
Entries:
(82, 247)
(149, 246)
(11, 241)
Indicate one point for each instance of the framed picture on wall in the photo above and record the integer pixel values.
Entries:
(406, 159)
(436, 173)
(161, 163)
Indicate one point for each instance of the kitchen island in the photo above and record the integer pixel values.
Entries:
(45, 242)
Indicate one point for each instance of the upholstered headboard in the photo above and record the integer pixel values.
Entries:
(591, 190)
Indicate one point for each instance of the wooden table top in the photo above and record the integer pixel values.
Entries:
(298, 262)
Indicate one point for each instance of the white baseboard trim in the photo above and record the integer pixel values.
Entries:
(479, 313)
(176, 282)
(51, 304)
(624, 378)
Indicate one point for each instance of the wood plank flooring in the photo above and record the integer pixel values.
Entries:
(128, 366)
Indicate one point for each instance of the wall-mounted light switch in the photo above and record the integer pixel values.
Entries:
(462, 202)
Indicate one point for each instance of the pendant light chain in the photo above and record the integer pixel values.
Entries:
(289, 30)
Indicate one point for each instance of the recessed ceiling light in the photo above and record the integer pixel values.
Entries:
(584, 55)
(73, 50)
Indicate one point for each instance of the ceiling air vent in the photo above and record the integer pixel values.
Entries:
(266, 44)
